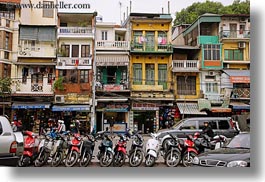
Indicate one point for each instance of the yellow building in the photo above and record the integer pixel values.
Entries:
(150, 67)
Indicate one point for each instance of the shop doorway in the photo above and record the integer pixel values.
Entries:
(144, 121)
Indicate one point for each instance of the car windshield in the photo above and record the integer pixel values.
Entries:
(240, 141)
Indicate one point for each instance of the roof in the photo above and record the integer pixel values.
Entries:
(185, 47)
(190, 108)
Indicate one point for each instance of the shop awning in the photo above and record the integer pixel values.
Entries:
(71, 108)
(24, 105)
(221, 109)
(238, 76)
(112, 60)
(239, 106)
(190, 108)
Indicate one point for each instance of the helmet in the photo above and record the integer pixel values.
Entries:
(71, 125)
(197, 134)
(61, 121)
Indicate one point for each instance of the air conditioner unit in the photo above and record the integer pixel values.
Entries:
(61, 63)
(211, 73)
(241, 45)
(59, 99)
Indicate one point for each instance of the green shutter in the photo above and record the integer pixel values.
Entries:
(118, 76)
(104, 76)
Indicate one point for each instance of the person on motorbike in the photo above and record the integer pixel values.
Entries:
(61, 127)
(207, 130)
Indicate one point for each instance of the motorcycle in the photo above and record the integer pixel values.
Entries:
(73, 151)
(172, 154)
(152, 150)
(120, 151)
(30, 152)
(86, 151)
(136, 153)
(105, 153)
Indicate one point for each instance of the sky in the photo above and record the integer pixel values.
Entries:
(113, 10)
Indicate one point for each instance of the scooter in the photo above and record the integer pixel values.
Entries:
(172, 154)
(136, 153)
(30, 152)
(152, 150)
(86, 151)
(120, 151)
(105, 153)
(74, 150)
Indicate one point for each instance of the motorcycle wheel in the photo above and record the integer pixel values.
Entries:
(71, 159)
(57, 159)
(136, 158)
(188, 162)
(85, 159)
(42, 159)
(119, 159)
(106, 160)
(172, 158)
(22, 161)
(149, 161)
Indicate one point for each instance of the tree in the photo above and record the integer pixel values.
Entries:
(5, 89)
(191, 13)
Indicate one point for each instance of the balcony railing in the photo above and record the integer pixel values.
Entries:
(241, 93)
(185, 65)
(214, 98)
(37, 51)
(111, 87)
(77, 62)
(7, 23)
(75, 31)
(235, 34)
(112, 45)
(165, 48)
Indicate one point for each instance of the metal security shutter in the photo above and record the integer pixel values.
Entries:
(28, 33)
(46, 34)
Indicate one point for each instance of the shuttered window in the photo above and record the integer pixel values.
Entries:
(162, 75)
(137, 74)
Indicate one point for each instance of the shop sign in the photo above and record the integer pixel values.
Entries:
(117, 108)
(145, 107)
(111, 87)
(240, 79)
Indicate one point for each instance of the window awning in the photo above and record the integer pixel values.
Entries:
(24, 105)
(239, 106)
(238, 76)
(71, 108)
(112, 60)
(190, 108)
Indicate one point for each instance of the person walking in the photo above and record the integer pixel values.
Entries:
(111, 124)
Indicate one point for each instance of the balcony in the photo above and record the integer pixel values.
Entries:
(185, 65)
(157, 48)
(8, 24)
(112, 45)
(235, 34)
(24, 86)
(74, 63)
(111, 87)
(38, 50)
(75, 32)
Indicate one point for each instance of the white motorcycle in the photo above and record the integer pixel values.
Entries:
(152, 150)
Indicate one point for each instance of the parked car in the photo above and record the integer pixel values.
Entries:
(225, 126)
(11, 144)
(235, 154)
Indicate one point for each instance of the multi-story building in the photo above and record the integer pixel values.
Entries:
(235, 80)
(112, 76)
(150, 69)
(34, 69)
(74, 67)
(9, 15)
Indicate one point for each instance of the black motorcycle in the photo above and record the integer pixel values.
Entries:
(106, 153)
(136, 153)
(87, 151)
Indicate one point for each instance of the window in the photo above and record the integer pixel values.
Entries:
(85, 50)
(73, 76)
(137, 73)
(36, 78)
(65, 50)
(6, 55)
(211, 87)
(48, 9)
(150, 41)
(138, 37)
(211, 51)
(150, 74)
(104, 35)
(223, 124)
(186, 85)
(162, 38)
(83, 76)
(236, 54)
(63, 73)
(162, 75)
(211, 123)
(50, 78)
(7, 40)
(189, 125)
(6, 71)
(75, 50)
(7, 11)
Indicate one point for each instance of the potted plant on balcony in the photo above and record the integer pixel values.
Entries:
(61, 53)
(58, 84)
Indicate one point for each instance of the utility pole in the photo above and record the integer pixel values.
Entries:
(93, 110)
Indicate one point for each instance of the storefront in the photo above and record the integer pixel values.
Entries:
(31, 114)
(145, 117)
(68, 113)
(119, 112)
(168, 116)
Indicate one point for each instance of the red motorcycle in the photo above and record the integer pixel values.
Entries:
(72, 154)
(189, 150)
(30, 152)
(120, 152)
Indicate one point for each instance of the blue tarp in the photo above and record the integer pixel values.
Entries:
(30, 105)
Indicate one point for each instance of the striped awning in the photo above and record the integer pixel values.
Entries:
(112, 60)
(190, 108)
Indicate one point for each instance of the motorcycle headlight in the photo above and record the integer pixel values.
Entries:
(237, 164)
(196, 160)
